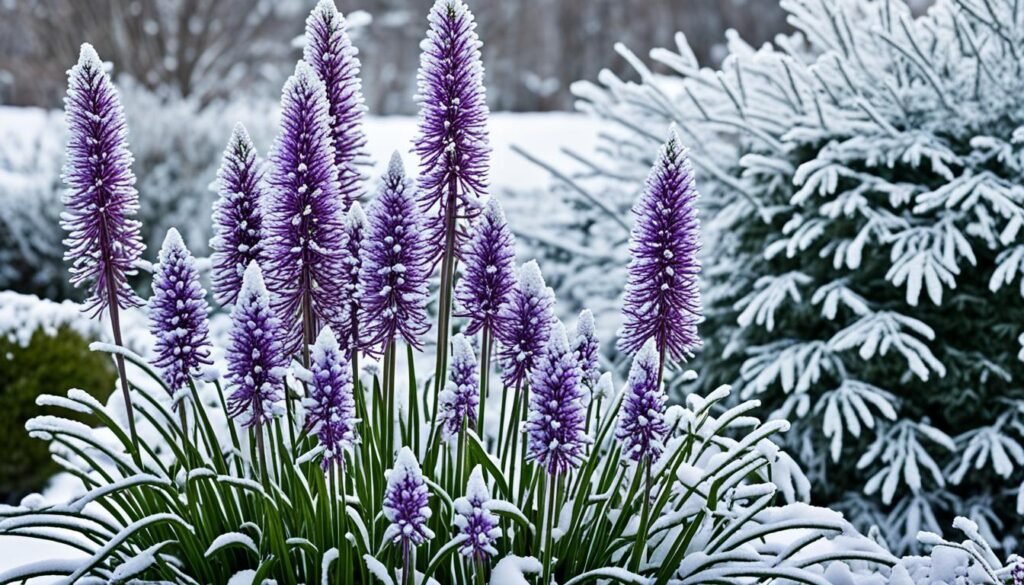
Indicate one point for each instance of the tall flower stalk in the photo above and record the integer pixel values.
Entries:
(101, 202)
(662, 298)
(556, 426)
(524, 326)
(178, 317)
(642, 428)
(329, 51)
(406, 509)
(393, 277)
(488, 279)
(453, 143)
(256, 358)
(237, 217)
(304, 215)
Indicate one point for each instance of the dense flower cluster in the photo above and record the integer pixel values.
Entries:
(662, 300)
(406, 502)
(178, 315)
(395, 267)
(524, 324)
(330, 53)
(330, 407)
(256, 356)
(642, 427)
(304, 214)
(237, 217)
(556, 426)
(488, 273)
(457, 404)
(101, 201)
(587, 348)
(346, 323)
(452, 144)
(475, 520)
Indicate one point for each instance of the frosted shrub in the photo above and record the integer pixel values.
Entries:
(297, 465)
(862, 197)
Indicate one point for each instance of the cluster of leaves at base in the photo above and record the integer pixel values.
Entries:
(47, 362)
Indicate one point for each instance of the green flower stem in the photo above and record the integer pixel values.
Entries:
(640, 544)
(549, 528)
(485, 374)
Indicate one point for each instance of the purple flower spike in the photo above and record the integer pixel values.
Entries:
(557, 421)
(453, 143)
(100, 202)
(331, 406)
(396, 268)
(304, 216)
(256, 358)
(347, 322)
(524, 324)
(662, 299)
(488, 277)
(586, 348)
(178, 315)
(642, 427)
(330, 53)
(237, 219)
(460, 397)
(406, 503)
(475, 520)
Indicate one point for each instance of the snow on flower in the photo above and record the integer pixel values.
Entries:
(556, 425)
(488, 273)
(255, 355)
(406, 501)
(395, 269)
(524, 324)
(330, 53)
(452, 144)
(642, 427)
(475, 520)
(237, 216)
(178, 315)
(457, 404)
(330, 407)
(100, 203)
(662, 300)
(304, 214)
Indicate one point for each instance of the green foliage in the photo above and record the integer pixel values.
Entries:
(199, 506)
(47, 363)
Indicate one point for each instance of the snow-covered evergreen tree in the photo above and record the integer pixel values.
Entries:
(862, 193)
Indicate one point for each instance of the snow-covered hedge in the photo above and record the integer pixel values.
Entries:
(862, 202)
